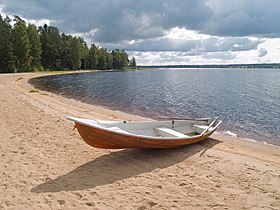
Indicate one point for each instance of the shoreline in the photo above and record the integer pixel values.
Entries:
(222, 133)
(245, 139)
(46, 165)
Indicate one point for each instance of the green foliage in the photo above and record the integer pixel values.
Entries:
(52, 46)
(116, 59)
(6, 48)
(92, 57)
(20, 78)
(28, 48)
(33, 91)
(75, 54)
(35, 47)
(109, 59)
(101, 58)
(132, 63)
(66, 48)
(21, 46)
(124, 60)
(84, 53)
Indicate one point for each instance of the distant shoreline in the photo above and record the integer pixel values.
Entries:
(241, 66)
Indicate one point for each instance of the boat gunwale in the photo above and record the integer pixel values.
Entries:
(80, 121)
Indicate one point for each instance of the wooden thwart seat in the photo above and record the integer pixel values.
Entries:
(167, 132)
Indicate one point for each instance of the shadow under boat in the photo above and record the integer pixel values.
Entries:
(121, 165)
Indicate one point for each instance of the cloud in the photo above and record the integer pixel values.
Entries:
(185, 30)
(262, 52)
(115, 20)
(243, 18)
(191, 44)
(160, 58)
(217, 44)
(160, 44)
(182, 58)
(222, 56)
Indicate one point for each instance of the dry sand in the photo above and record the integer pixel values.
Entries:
(45, 164)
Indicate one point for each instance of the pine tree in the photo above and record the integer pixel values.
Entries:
(116, 59)
(75, 54)
(21, 45)
(101, 59)
(92, 57)
(66, 47)
(35, 47)
(24, 48)
(109, 59)
(124, 60)
(6, 48)
(132, 63)
(84, 53)
(52, 47)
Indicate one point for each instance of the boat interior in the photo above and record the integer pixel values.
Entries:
(164, 129)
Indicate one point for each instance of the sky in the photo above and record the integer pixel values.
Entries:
(166, 32)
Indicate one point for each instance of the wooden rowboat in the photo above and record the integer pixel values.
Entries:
(148, 134)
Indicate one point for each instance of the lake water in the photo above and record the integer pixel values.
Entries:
(247, 101)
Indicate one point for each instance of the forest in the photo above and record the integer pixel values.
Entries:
(26, 48)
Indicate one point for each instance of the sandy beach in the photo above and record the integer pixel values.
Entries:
(46, 165)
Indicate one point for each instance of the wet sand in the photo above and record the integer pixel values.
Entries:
(46, 165)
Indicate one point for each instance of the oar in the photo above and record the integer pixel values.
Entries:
(212, 123)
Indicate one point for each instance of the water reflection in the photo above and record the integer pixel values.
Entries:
(246, 100)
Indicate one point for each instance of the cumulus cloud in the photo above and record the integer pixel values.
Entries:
(202, 29)
(115, 20)
(160, 44)
(244, 18)
(262, 52)
(222, 56)
(129, 19)
(217, 44)
(182, 58)
(189, 44)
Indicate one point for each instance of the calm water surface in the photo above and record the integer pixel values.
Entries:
(248, 101)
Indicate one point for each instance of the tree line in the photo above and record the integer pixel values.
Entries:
(25, 48)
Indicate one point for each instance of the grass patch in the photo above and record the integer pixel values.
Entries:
(20, 78)
(33, 91)
(278, 155)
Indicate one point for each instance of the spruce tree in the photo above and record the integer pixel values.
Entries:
(65, 56)
(92, 57)
(24, 48)
(6, 48)
(21, 45)
(35, 47)
(75, 54)
(124, 60)
(109, 59)
(132, 63)
(116, 59)
(84, 53)
(52, 46)
(101, 59)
